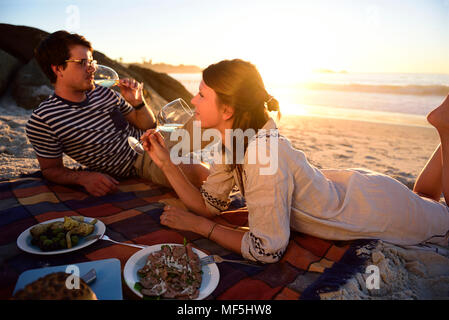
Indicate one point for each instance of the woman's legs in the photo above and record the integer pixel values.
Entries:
(439, 118)
(429, 183)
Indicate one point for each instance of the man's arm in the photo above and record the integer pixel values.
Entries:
(142, 118)
(97, 184)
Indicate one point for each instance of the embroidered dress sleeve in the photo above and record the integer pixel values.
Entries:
(217, 187)
(42, 138)
(268, 198)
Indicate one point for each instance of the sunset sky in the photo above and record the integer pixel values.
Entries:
(298, 36)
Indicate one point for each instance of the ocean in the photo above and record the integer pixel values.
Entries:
(399, 98)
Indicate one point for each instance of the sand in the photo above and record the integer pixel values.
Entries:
(16, 153)
(397, 150)
(400, 151)
(404, 274)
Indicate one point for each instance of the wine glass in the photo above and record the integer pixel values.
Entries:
(105, 76)
(171, 117)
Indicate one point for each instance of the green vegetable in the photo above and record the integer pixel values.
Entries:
(63, 243)
(185, 241)
(57, 231)
(75, 240)
(49, 236)
(47, 243)
(138, 286)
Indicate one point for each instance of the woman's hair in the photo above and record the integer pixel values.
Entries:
(55, 50)
(239, 85)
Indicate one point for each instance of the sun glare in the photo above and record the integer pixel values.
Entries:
(280, 80)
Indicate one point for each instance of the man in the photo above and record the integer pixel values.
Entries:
(90, 123)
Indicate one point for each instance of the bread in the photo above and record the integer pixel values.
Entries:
(53, 287)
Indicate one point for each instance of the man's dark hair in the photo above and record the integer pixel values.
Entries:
(55, 49)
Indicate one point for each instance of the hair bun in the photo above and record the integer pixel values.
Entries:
(272, 104)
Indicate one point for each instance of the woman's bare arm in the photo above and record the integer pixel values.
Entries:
(226, 236)
(185, 190)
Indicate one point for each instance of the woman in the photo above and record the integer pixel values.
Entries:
(330, 204)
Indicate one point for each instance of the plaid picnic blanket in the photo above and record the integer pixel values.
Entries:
(308, 267)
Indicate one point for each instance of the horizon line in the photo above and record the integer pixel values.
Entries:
(330, 71)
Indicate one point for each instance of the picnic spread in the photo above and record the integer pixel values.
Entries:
(309, 266)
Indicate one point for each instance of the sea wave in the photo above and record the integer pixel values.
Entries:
(419, 90)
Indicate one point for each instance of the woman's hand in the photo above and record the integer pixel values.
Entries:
(176, 218)
(154, 145)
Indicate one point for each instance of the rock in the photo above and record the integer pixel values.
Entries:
(152, 97)
(30, 86)
(377, 256)
(20, 41)
(8, 66)
(167, 87)
(417, 268)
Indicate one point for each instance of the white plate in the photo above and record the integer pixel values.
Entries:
(107, 285)
(210, 276)
(24, 240)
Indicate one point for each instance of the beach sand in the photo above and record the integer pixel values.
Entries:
(16, 153)
(400, 151)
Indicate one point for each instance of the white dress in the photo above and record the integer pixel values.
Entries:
(329, 204)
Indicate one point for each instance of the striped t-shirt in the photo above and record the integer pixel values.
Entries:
(93, 132)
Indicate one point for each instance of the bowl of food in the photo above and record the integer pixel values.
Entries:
(60, 235)
(170, 271)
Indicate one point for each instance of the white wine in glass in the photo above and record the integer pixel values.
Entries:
(172, 116)
(105, 76)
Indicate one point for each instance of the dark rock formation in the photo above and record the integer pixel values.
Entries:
(8, 66)
(166, 86)
(29, 86)
(20, 41)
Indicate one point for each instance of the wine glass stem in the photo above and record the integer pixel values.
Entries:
(138, 143)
